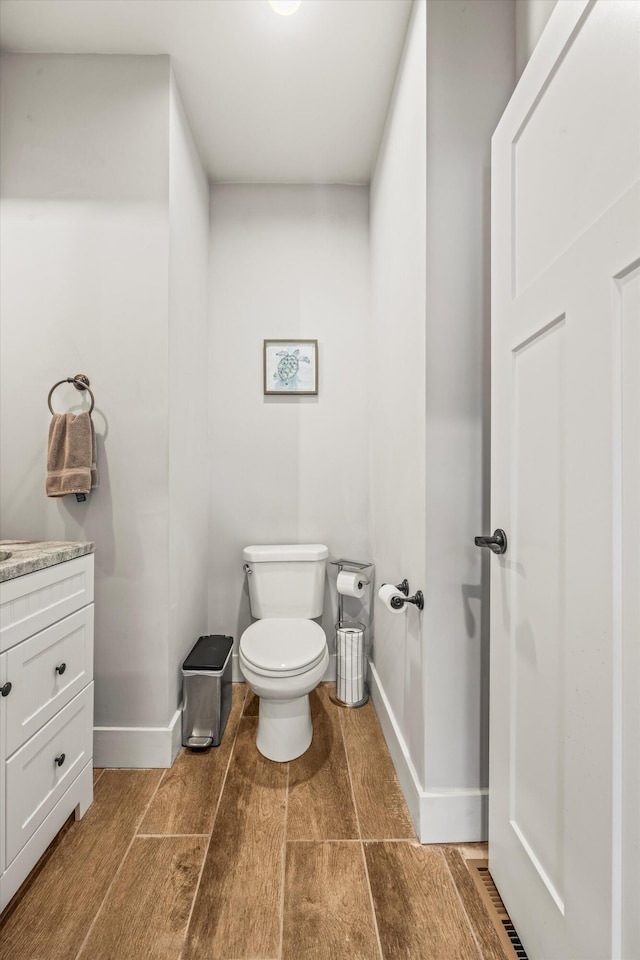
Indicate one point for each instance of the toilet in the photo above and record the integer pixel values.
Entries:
(284, 655)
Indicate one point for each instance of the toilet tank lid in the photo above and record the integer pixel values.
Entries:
(272, 552)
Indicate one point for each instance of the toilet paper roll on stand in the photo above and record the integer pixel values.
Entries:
(350, 663)
(386, 592)
(350, 584)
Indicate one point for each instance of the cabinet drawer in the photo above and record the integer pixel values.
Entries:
(39, 689)
(31, 603)
(34, 782)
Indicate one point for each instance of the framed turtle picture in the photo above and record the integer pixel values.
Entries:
(291, 367)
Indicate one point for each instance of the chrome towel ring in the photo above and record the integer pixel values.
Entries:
(80, 382)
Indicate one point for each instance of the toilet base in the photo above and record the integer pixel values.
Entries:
(284, 728)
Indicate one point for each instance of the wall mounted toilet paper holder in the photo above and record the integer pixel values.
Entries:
(398, 602)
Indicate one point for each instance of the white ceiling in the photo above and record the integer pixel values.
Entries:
(301, 98)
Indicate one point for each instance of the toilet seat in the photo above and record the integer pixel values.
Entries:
(283, 646)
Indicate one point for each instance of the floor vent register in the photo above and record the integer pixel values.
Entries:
(509, 938)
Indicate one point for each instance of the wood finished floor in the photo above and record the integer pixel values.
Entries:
(228, 856)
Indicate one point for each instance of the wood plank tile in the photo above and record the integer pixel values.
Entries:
(327, 909)
(470, 851)
(140, 920)
(97, 773)
(382, 812)
(417, 906)
(251, 704)
(237, 907)
(485, 932)
(320, 805)
(52, 917)
(188, 795)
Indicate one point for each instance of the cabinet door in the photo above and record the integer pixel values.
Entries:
(3, 727)
(43, 769)
(46, 672)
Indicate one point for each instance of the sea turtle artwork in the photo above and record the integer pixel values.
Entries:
(288, 366)
(291, 367)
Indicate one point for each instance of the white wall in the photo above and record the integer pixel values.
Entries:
(188, 393)
(430, 210)
(84, 240)
(85, 281)
(397, 386)
(470, 77)
(531, 19)
(286, 262)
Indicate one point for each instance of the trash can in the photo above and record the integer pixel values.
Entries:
(206, 691)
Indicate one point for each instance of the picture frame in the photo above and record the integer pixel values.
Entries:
(290, 368)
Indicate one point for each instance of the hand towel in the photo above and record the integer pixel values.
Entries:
(94, 455)
(71, 455)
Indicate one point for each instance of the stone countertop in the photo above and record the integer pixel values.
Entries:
(30, 555)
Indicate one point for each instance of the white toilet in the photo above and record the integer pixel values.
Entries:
(284, 655)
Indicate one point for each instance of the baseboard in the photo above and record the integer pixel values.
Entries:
(137, 746)
(405, 770)
(236, 672)
(176, 733)
(450, 815)
(454, 816)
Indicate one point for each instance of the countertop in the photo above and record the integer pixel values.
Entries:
(30, 555)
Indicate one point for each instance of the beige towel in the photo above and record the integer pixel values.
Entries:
(71, 456)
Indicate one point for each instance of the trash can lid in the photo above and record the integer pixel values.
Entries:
(209, 653)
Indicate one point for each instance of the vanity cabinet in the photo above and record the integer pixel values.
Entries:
(46, 711)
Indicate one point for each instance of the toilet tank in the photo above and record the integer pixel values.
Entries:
(286, 580)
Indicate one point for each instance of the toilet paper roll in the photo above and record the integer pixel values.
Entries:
(350, 691)
(350, 666)
(350, 584)
(349, 641)
(346, 674)
(386, 592)
(351, 655)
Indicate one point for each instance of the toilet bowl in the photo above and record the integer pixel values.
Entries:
(283, 655)
(283, 660)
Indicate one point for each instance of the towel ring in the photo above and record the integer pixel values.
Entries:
(80, 382)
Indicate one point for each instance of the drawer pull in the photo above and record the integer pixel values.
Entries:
(61, 668)
(59, 760)
(5, 689)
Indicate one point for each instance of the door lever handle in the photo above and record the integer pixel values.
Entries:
(497, 543)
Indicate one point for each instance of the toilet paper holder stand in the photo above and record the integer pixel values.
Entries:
(355, 700)
(354, 566)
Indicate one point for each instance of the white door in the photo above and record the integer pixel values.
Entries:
(564, 835)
